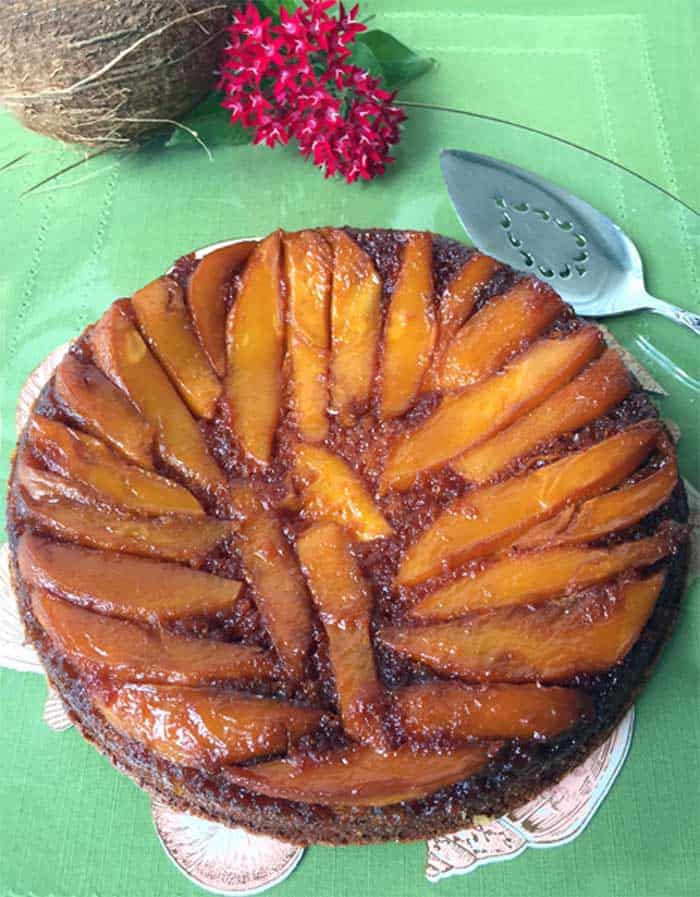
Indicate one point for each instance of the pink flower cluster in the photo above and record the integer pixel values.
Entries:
(295, 81)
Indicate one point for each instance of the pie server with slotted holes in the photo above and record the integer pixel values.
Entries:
(527, 223)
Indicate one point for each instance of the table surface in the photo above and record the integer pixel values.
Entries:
(619, 76)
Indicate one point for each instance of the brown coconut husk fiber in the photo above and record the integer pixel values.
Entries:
(107, 73)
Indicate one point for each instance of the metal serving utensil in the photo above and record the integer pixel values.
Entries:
(528, 223)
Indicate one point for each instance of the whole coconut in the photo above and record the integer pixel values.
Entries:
(107, 73)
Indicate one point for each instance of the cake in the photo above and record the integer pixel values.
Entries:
(345, 536)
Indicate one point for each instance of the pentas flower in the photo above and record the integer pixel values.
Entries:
(294, 80)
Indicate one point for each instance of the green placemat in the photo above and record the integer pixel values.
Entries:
(620, 76)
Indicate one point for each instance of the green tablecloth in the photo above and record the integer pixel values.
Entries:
(620, 76)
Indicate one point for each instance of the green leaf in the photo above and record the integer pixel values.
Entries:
(397, 62)
(264, 9)
(273, 9)
(211, 125)
(363, 56)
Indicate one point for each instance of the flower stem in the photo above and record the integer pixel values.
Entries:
(585, 149)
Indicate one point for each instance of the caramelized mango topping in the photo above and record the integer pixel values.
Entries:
(207, 302)
(456, 305)
(356, 323)
(411, 328)
(124, 357)
(279, 590)
(503, 326)
(103, 410)
(204, 727)
(533, 576)
(461, 294)
(333, 491)
(491, 517)
(69, 511)
(308, 266)
(596, 390)
(344, 604)
(359, 777)
(456, 712)
(255, 347)
(120, 585)
(606, 513)
(482, 410)
(128, 651)
(165, 324)
(548, 643)
(83, 458)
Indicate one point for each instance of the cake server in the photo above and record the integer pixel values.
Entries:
(530, 224)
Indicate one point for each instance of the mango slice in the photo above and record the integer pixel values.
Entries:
(206, 299)
(462, 292)
(68, 510)
(503, 326)
(280, 592)
(39, 485)
(308, 261)
(607, 513)
(120, 585)
(165, 325)
(470, 417)
(255, 347)
(356, 322)
(411, 328)
(548, 643)
(596, 390)
(455, 306)
(490, 518)
(204, 727)
(128, 651)
(76, 456)
(103, 410)
(333, 491)
(121, 353)
(360, 777)
(344, 605)
(456, 712)
(532, 577)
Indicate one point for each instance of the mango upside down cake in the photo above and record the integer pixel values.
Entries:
(345, 536)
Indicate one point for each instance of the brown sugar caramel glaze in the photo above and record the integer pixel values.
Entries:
(522, 766)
